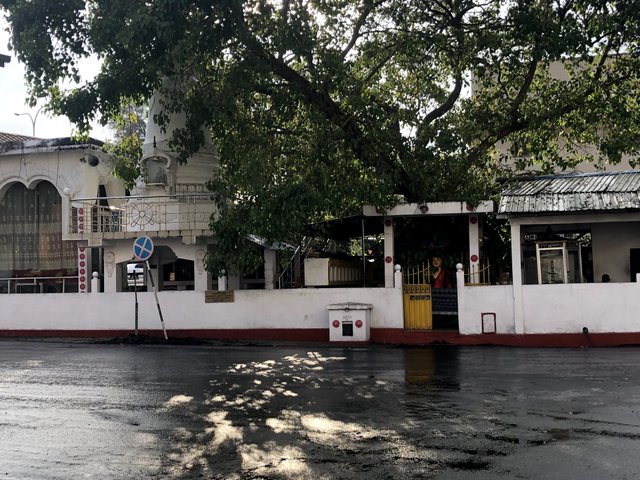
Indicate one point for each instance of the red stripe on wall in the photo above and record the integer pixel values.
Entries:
(396, 336)
(389, 336)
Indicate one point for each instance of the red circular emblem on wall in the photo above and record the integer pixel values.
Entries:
(359, 323)
(82, 286)
(82, 264)
(82, 271)
(82, 256)
(335, 323)
(388, 259)
(388, 222)
(473, 219)
(474, 258)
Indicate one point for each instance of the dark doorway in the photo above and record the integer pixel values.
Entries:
(634, 262)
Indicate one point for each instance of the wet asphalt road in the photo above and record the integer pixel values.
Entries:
(76, 410)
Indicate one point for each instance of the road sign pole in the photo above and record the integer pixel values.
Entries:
(142, 251)
(135, 295)
(155, 293)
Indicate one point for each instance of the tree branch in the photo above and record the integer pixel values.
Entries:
(321, 100)
(368, 8)
(447, 104)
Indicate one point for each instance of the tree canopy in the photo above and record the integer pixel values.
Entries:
(320, 106)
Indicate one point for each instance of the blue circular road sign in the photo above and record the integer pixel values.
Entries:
(142, 248)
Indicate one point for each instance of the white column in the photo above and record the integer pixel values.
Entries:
(201, 281)
(397, 281)
(463, 321)
(66, 210)
(95, 282)
(270, 269)
(474, 248)
(110, 279)
(388, 252)
(222, 283)
(516, 269)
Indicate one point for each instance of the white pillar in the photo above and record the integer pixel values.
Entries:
(397, 280)
(516, 269)
(66, 210)
(222, 283)
(462, 320)
(95, 282)
(474, 248)
(111, 278)
(270, 269)
(388, 252)
(201, 281)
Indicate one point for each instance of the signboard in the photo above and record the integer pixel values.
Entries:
(213, 296)
(142, 248)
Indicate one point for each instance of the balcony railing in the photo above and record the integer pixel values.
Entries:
(68, 284)
(92, 217)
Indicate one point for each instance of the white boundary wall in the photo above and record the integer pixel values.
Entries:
(252, 309)
(474, 301)
(602, 308)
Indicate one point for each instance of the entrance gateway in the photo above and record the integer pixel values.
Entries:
(416, 299)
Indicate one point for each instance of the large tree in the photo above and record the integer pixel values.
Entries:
(320, 106)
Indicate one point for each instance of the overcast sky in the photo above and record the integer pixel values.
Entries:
(14, 95)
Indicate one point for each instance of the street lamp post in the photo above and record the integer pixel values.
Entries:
(33, 120)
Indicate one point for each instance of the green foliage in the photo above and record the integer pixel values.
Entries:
(128, 125)
(320, 107)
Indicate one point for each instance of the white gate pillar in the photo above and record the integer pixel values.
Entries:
(516, 268)
(474, 248)
(388, 252)
(270, 269)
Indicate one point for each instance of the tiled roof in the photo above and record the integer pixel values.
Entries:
(32, 144)
(581, 192)
(12, 137)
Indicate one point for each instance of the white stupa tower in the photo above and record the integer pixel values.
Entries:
(171, 198)
(161, 172)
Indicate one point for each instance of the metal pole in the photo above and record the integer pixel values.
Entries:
(135, 295)
(364, 260)
(155, 293)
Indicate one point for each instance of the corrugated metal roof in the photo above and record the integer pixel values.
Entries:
(578, 192)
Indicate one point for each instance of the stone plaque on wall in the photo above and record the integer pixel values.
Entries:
(214, 296)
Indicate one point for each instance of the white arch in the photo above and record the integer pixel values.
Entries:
(30, 183)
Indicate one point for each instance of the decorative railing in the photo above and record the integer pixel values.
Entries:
(121, 215)
(67, 284)
(417, 275)
(478, 274)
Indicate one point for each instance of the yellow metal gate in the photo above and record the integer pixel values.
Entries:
(416, 299)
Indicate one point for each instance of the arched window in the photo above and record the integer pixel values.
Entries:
(31, 234)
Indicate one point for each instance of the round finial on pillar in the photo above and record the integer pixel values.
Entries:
(397, 267)
(459, 267)
(66, 191)
(95, 275)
